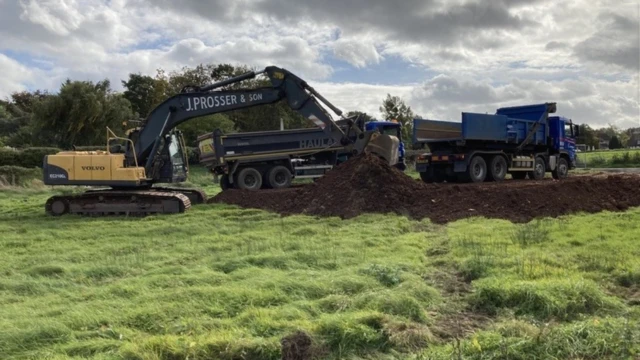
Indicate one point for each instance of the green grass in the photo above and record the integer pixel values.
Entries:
(228, 283)
(610, 158)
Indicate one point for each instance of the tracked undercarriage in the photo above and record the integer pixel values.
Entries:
(195, 196)
(122, 202)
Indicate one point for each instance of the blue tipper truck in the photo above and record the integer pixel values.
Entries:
(523, 141)
(279, 156)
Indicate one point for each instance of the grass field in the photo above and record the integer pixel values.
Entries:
(221, 282)
(610, 158)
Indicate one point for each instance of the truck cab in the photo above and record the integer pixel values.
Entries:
(390, 128)
(563, 133)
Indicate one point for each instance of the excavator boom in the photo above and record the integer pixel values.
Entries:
(205, 101)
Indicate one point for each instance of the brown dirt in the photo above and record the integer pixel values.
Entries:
(366, 184)
(297, 346)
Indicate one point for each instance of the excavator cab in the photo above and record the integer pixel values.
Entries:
(173, 164)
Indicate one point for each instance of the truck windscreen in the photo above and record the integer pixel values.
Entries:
(391, 130)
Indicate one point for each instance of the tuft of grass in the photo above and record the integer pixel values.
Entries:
(596, 338)
(387, 276)
(564, 299)
(46, 270)
(534, 232)
(628, 277)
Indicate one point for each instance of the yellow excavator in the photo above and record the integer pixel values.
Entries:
(155, 153)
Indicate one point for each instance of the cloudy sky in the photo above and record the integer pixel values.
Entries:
(441, 56)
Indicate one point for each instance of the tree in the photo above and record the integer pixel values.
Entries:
(615, 143)
(79, 114)
(16, 125)
(206, 124)
(365, 116)
(144, 93)
(394, 108)
(588, 136)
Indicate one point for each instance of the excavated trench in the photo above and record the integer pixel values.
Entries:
(366, 184)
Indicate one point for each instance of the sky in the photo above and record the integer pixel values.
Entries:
(442, 57)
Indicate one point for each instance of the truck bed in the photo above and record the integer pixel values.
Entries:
(262, 144)
(508, 125)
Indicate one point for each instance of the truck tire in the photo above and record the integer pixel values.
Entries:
(497, 168)
(539, 171)
(562, 169)
(249, 179)
(477, 170)
(279, 177)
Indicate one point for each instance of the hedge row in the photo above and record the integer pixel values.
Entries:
(91, 148)
(27, 158)
(18, 176)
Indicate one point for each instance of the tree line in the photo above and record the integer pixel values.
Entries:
(613, 137)
(78, 114)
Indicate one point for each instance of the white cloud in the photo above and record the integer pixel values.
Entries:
(361, 97)
(479, 54)
(357, 52)
(15, 76)
(586, 101)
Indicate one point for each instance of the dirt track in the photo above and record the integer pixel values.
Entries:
(367, 185)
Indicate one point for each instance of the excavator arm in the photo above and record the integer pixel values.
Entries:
(196, 102)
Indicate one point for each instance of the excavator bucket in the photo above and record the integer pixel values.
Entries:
(385, 146)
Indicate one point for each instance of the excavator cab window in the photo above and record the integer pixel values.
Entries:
(172, 160)
(176, 154)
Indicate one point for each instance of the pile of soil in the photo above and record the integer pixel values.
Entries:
(366, 184)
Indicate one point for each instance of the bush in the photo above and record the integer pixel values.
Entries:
(27, 158)
(33, 157)
(596, 161)
(193, 155)
(9, 157)
(91, 148)
(626, 158)
(18, 176)
(636, 157)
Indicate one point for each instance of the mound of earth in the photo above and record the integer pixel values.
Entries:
(366, 184)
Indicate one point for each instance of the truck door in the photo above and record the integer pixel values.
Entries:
(568, 139)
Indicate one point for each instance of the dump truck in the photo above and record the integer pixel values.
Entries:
(272, 159)
(523, 141)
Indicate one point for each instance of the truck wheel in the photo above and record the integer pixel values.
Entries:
(477, 169)
(497, 169)
(279, 177)
(562, 169)
(249, 179)
(539, 169)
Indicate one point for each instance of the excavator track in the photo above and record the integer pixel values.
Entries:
(118, 202)
(195, 196)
